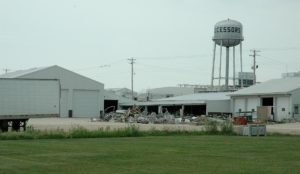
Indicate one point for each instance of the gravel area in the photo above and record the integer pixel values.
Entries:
(286, 128)
(68, 123)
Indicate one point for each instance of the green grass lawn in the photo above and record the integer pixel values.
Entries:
(168, 154)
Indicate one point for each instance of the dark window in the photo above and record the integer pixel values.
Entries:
(195, 109)
(267, 101)
(296, 109)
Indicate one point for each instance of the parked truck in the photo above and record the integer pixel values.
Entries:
(21, 99)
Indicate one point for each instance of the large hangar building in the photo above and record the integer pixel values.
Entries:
(80, 96)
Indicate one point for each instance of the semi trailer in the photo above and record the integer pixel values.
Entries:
(22, 99)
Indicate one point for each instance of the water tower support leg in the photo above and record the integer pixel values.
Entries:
(220, 66)
(241, 53)
(213, 65)
(233, 70)
(227, 68)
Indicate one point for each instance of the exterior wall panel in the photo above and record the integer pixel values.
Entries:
(252, 104)
(239, 104)
(64, 103)
(218, 106)
(283, 108)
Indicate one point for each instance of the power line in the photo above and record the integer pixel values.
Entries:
(174, 57)
(280, 49)
(100, 66)
(167, 68)
(273, 60)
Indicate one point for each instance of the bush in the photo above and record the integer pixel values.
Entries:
(227, 127)
(216, 128)
(211, 127)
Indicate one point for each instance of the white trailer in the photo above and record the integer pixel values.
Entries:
(21, 99)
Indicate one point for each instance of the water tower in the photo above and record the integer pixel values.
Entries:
(228, 33)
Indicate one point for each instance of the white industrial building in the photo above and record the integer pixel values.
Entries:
(164, 92)
(80, 96)
(282, 96)
(192, 104)
(122, 92)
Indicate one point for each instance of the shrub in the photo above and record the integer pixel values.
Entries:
(211, 127)
(227, 127)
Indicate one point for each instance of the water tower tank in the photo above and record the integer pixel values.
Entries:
(228, 32)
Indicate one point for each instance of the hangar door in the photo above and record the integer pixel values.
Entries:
(86, 103)
(64, 103)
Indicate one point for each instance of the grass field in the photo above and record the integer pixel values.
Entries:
(167, 154)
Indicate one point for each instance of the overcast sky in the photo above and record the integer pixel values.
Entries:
(171, 40)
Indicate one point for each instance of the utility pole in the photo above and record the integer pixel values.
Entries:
(132, 61)
(254, 67)
(6, 70)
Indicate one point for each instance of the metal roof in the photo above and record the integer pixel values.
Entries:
(200, 96)
(275, 86)
(25, 73)
(172, 90)
(164, 103)
(191, 99)
(21, 73)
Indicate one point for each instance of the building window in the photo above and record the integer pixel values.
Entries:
(240, 110)
(283, 109)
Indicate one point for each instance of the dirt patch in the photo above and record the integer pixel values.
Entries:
(286, 128)
(68, 123)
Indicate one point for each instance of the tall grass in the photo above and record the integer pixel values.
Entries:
(129, 131)
(211, 127)
(215, 128)
(227, 127)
